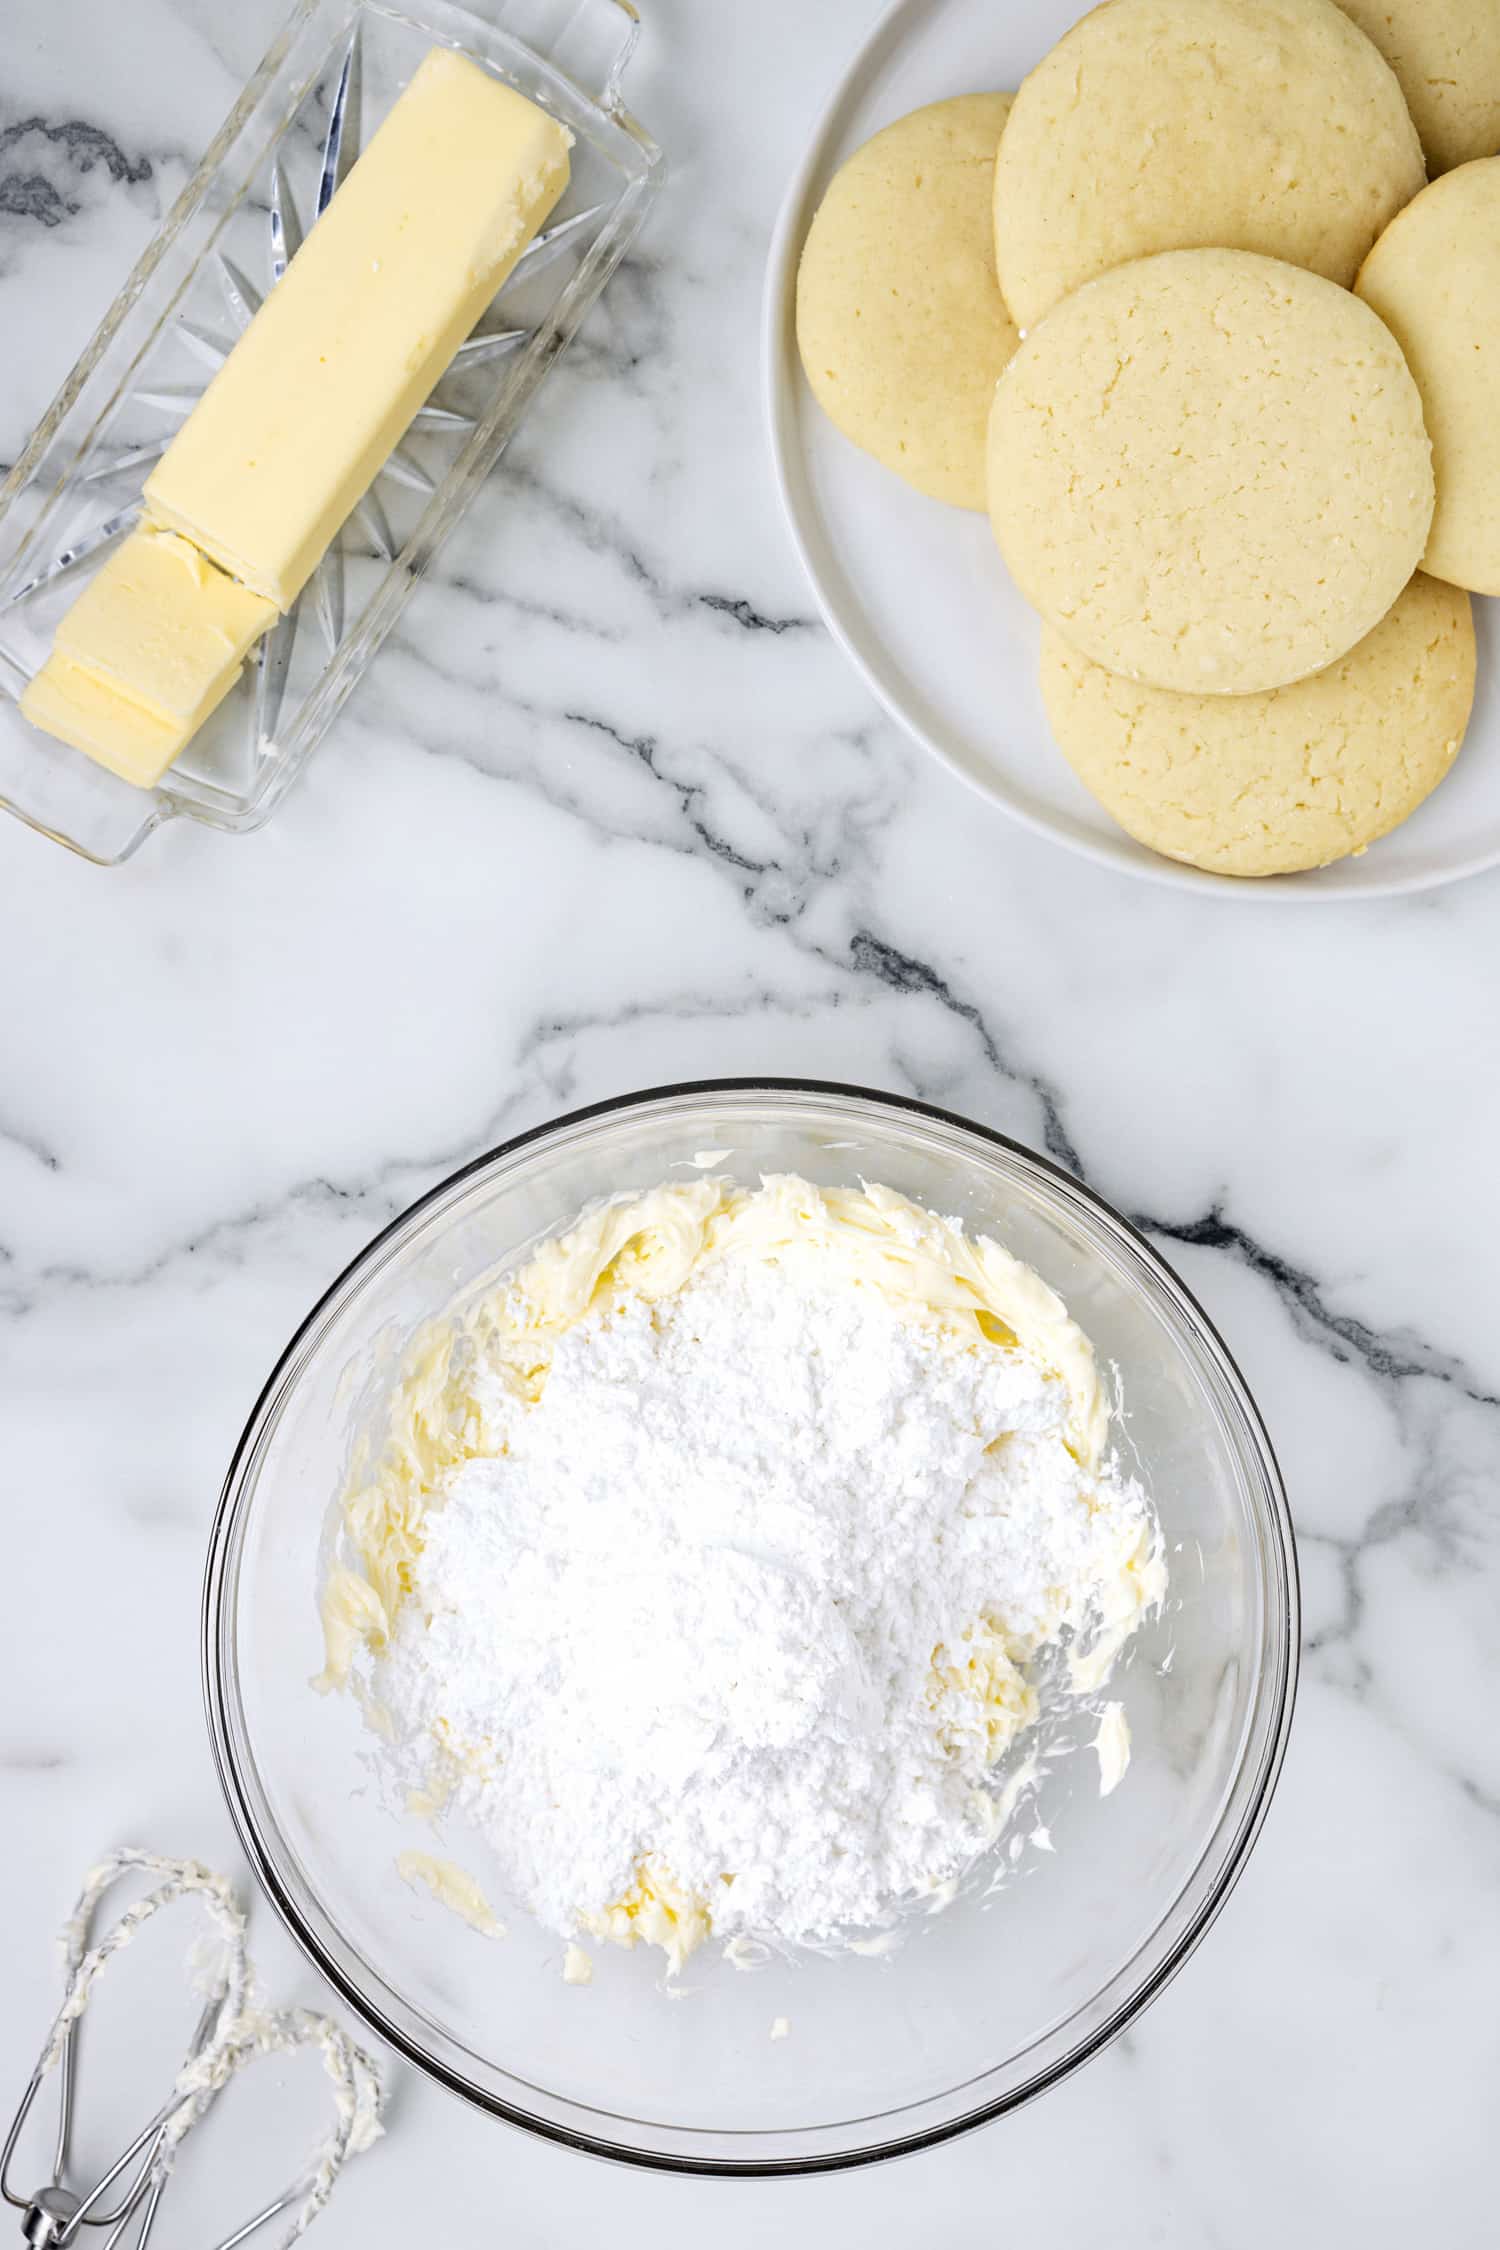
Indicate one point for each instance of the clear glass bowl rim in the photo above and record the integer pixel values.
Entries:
(1254, 1781)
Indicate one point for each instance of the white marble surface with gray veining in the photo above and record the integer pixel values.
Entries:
(614, 811)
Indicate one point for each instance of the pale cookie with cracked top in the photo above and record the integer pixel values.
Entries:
(1209, 471)
(1434, 279)
(1446, 54)
(1267, 125)
(1271, 784)
(900, 321)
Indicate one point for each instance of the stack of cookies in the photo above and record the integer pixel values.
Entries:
(1186, 318)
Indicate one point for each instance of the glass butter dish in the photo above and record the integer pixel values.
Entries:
(286, 146)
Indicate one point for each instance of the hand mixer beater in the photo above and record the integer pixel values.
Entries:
(234, 2029)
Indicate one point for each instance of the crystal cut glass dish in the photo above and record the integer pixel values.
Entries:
(980, 2006)
(280, 156)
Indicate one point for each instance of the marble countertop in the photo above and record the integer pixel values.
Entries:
(617, 813)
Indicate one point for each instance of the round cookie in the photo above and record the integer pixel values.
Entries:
(1208, 471)
(1434, 279)
(1269, 125)
(900, 321)
(1446, 54)
(1269, 784)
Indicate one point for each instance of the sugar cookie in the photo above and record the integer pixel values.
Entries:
(1208, 470)
(1268, 784)
(900, 321)
(1434, 279)
(1269, 125)
(1446, 53)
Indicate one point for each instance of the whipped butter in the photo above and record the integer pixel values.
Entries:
(452, 1886)
(740, 1490)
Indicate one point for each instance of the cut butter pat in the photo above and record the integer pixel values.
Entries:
(151, 646)
(316, 393)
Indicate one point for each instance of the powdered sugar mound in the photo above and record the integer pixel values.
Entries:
(709, 1603)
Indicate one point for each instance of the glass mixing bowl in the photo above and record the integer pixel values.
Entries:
(987, 2003)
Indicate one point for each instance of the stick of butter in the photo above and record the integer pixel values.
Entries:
(151, 646)
(389, 282)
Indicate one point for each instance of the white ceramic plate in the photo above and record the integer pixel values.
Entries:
(916, 593)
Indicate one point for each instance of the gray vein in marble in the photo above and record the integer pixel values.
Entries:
(28, 1143)
(1441, 1505)
(754, 620)
(645, 749)
(25, 1759)
(586, 622)
(777, 895)
(381, 1195)
(540, 780)
(633, 308)
(37, 159)
(1431, 1510)
(1396, 1357)
(27, 195)
(814, 850)
(231, 1233)
(605, 537)
(1389, 1522)
(872, 955)
(683, 1007)
(1483, 1800)
(736, 610)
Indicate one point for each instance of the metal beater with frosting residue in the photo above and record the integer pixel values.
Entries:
(235, 2028)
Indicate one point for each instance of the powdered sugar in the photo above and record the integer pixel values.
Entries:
(746, 1598)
